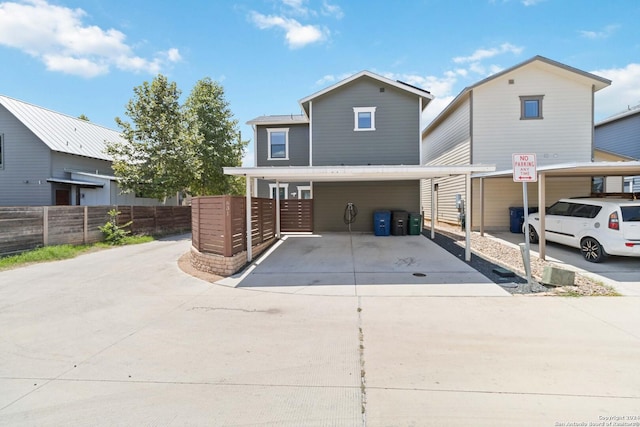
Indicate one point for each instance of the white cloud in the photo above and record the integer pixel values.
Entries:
(623, 93)
(531, 2)
(332, 10)
(296, 34)
(481, 54)
(602, 34)
(57, 36)
(297, 7)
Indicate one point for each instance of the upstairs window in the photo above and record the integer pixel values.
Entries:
(364, 118)
(278, 144)
(531, 107)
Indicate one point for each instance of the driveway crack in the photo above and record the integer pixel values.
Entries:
(363, 372)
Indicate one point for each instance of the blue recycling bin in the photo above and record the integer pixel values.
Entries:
(516, 218)
(382, 223)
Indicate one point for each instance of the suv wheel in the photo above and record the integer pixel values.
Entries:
(533, 235)
(592, 250)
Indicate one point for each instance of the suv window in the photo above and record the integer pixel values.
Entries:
(559, 208)
(630, 213)
(585, 211)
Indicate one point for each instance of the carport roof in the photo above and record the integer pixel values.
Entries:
(356, 173)
(576, 169)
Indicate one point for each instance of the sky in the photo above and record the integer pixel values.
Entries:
(86, 56)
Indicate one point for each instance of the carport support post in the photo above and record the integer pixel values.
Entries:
(433, 208)
(248, 215)
(542, 212)
(467, 219)
(277, 208)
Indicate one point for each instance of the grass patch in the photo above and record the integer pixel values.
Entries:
(45, 254)
(60, 252)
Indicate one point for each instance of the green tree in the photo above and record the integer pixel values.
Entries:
(83, 117)
(215, 140)
(154, 161)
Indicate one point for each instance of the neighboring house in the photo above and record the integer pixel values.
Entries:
(48, 158)
(620, 135)
(539, 106)
(364, 120)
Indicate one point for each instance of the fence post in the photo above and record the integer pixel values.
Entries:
(85, 237)
(45, 225)
(228, 236)
(199, 225)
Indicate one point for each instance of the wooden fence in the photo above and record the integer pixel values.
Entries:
(24, 228)
(219, 223)
(296, 215)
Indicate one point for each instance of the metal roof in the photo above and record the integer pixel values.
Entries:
(76, 182)
(576, 169)
(63, 133)
(286, 119)
(356, 173)
(630, 112)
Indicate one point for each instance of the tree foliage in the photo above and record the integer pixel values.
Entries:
(215, 140)
(170, 147)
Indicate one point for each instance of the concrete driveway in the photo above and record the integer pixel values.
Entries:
(623, 273)
(123, 337)
(359, 263)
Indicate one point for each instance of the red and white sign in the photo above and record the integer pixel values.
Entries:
(524, 168)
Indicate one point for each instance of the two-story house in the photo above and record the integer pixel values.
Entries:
(363, 121)
(48, 158)
(618, 137)
(539, 106)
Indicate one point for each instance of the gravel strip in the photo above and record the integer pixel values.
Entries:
(489, 253)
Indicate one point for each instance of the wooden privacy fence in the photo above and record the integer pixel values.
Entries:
(219, 223)
(24, 228)
(296, 215)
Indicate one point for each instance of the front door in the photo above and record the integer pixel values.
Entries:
(63, 197)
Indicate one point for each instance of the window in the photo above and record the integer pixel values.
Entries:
(1, 151)
(284, 189)
(364, 118)
(278, 144)
(560, 208)
(304, 191)
(531, 107)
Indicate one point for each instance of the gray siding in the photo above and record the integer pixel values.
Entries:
(621, 136)
(23, 179)
(453, 131)
(331, 198)
(397, 121)
(298, 146)
(63, 161)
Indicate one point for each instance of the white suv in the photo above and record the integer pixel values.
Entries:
(599, 227)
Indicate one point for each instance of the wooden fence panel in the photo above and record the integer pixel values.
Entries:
(296, 215)
(97, 216)
(20, 229)
(66, 225)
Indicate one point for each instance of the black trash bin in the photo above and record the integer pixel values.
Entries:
(516, 218)
(399, 221)
(415, 220)
(382, 223)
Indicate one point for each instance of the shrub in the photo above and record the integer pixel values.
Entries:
(113, 233)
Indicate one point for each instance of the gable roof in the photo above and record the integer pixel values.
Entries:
(286, 119)
(598, 83)
(63, 133)
(421, 93)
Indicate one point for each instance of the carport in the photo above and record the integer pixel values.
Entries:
(566, 170)
(350, 174)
